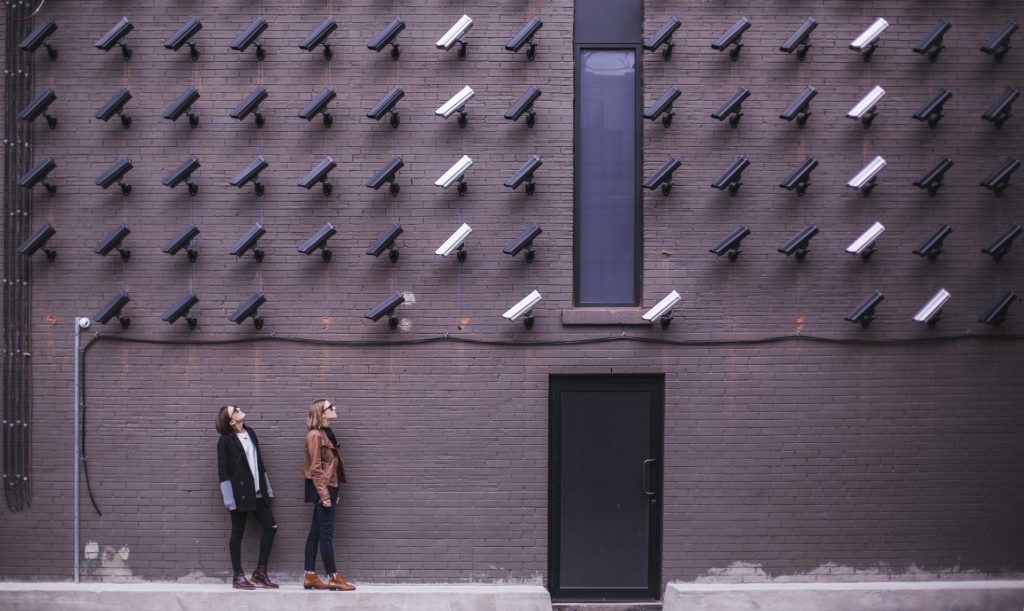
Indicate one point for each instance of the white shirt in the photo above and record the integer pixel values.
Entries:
(250, 456)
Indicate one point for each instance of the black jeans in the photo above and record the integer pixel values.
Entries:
(321, 534)
(266, 518)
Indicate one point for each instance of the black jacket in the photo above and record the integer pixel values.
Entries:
(236, 482)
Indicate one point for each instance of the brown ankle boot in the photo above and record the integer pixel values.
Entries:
(337, 582)
(260, 578)
(312, 582)
(240, 582)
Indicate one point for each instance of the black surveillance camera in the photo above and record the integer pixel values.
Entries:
(733, 106)
(932, 247)
(250, 241)
(525, 36)
(319, 105)
(525, 174)
(319, 241)
(732, 37)
(1000, 179)
(249, 308)
(387, 308)
(37, 38)
(251, 105)
(387, 37)
(250, 36)
(114, 36)
(115, 106)
(113, 309)
(38, 174)
(865, 312)
(663, 177)
(932, 111)
(663, 106)
(183, 307)
(998, 247)
(38, 240)
(251, 173)
(387, 105)
(319, 175)
(1000, 112)
(801, 178)
(932, 181)
(184, 36)
(524, 105)
(183, 105)
(730, 246)
(731, 179)
(115, 173)
(931, 45)
(996, 314)
(38, 106)
(114, 240)
(799, 244)
(182, 240)
(184, 173)
(800, 108)
(319, 37)
(800, 40)
(387, 175)
(386, 241)
(524, 241)
(999, 44)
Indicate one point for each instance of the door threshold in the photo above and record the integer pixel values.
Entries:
(607, 606)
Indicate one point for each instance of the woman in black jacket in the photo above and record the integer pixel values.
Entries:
(244, 484)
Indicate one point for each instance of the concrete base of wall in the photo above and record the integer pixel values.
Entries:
(876, 596)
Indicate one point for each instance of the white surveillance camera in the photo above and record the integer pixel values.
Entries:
(664, 307)
(864, 110)
(869, 37)
(864, 245)
(456, 32)
(83, 322)
(454, 173)
(455, 241)
(933, 309)
(866, 176)
(523, 307)
(455, 103)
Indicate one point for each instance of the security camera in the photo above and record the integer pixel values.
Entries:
(184, 173)
(387, 105)
(525, 174)
(38, 174)
(799, 244)
(115, 106)
(319, 105)
(732, 37)
(37, 38)
(931, 312)
(800, 40)
(251, 105)
(38, 106)
(865, 244)
(319, 37)
(249, 173)
(250, 36)
(250, 241)
(182, 240)
(38, 240)
(663, 37)
(865, 110)
(864, 181)
(525, 36)
(319, 241)
(387, 175)
(1000, 179)
(319, 175)
(457, 33)
(113, 309)
(386, 241)
(799, 109)
(865, 312)
(456, 173)
(996, 314)
(663, 310)
(801, 178)
(730, 246)
(115, 173)
(83, 322)
(663, 177)
(524, 105)
(998, 247)
(250, 307)
(931, 45)
(387, 308)
(524, 308)
(932, 111)
(455, 243)
(182, 105)
(932, 181)
(387, 37)
(733, 106)
(524, 241)
(867, 42)
(1000, 112)
(183, 307)
(114, 36)
(999, 44)
(932, 247)
(114, 240)
(731, 178)
(456, 103)
(184, 36)
(663, 106)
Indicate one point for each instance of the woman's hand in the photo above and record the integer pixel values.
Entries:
(326, 502)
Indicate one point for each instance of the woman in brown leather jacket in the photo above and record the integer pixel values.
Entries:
(324, 471)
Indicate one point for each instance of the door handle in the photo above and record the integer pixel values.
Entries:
(645, 468)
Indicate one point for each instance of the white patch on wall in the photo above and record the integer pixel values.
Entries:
(753, 572)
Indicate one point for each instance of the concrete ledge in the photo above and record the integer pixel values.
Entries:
(160, 596)
(873, 596)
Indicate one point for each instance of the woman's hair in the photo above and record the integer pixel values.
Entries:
(223, 421)
(315, 420)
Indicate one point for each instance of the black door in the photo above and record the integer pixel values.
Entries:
(605, 487)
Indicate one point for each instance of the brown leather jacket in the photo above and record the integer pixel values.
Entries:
(323, 463)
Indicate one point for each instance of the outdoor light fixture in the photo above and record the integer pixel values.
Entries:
(319, 175)
(455, 243)
(456, 173)
(800, 108)
(865, 244)
(184, 36)
(387, 37)
(867, 42)
(250, 241)
(663, 37)
(525, 37)
(319, 105)
(387, 175)
(114, 240)
(319, 241)
(386, 105)
(998, 247)
(865, 312)
(931, 312)
(37, 38)
(113, 309)
(663, 106)
(114, 36)
(387, 308)
(865, 110)
(524, 308)
(864, 181)
(183, 105)
(663, 310)
(731, 178)
(38, 106)
(457, 103)
(524, 105)
(251, 105)
(799, 244)
(932, 247)
(251, 173)
(663, 177)
(1000, 179)
(183, 307)
(184, 173)
(250, 307)
(801, 179)
(730, 246)
(800, 40)
(115, 173)
(115, 106)
(319, 37)
(182, 240)
(932, 111)
(732, 37)
(251, 35)
(525, 174)
(999, 112)
(38, 240)
(38, 174)
(999, 44)
(386, 241)
(524, 241)
(996, 314)
(456, 34)
(932, 181)
(733, 106)
(931, 45)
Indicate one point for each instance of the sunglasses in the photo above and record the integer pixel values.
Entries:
(327, 408)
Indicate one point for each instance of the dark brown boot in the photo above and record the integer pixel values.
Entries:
(240, 582)
(312, 582)
(337, 582)
(260, 578)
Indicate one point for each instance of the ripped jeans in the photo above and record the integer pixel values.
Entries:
(266, 518)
